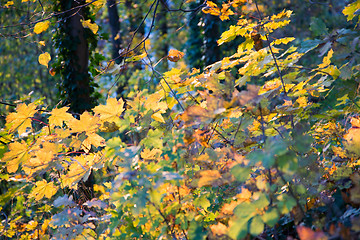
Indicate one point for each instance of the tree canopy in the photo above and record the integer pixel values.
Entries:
(179, 119)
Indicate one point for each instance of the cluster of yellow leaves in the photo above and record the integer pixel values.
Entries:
(65, 134)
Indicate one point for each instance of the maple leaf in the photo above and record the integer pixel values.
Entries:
(43, 189)
(79, 169)
(39, 162)
(87, 123)
(21, 119)
(93, 139)
(18, 153)
(110, 112)
(59, 115)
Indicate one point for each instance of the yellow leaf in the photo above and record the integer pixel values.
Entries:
(326, 60)
(39, 162)
(150, 154)
(59, 115)
(87, 123)
(352, 140)
(110, 112)
(42, 43)
(80, 168)
(283, 40)
(92, 26)
(350, 10)
(18, 153)
(9, 3)
(302, 101)
(31, 225)
(43, 189)
(93, 139)
(21, 119)
(158, 117)
(44, 59)
(41, 27)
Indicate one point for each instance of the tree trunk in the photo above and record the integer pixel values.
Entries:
(115, 29)
(162, 42)
(211, 35)
(194, 44)
(76, 86)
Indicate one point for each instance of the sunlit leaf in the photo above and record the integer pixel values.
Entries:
(21, 119)
(111, 111)
(41, 26)
(92, 26)
(43, 189)
(18, 153)
(59, 115)
(44, 59)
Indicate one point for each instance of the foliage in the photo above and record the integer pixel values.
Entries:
(256, 145)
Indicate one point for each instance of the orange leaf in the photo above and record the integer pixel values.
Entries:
(175, 55)
(306, 233)
(218, 229)
(209, 177)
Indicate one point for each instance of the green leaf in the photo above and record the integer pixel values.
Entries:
(240, 173)
(318, 27)
(196, 231)
(202, 202)
(262, 200)
(256, 226)
(245, 210)
(308, 45)
(239, 229)
(271, 217)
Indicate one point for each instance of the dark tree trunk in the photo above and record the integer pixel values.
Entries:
(194, 44)
(211, 35)
(76, 86)
(163, 43)
(115, 30)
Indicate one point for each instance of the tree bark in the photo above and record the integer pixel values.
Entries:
(211, 35)
(115, 30)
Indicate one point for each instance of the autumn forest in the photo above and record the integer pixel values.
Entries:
(180, 119)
